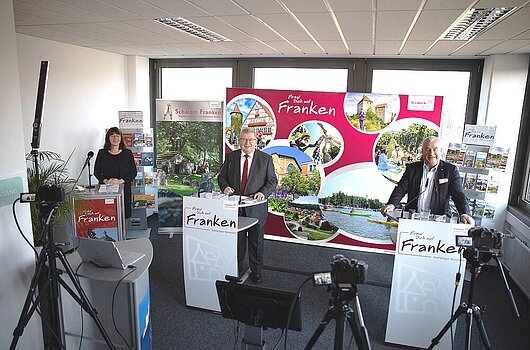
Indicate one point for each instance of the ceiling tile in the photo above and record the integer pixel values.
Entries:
(443, 47)
(216, 8)
(323, 29)
(335, 47)
(393, 25)
(348, 6)
(387, 47)
(300, 6)
(73, 13)
(261, 7)
(285, 25)
(431, 24)
(507, 47)
(475, 47)
(284, 47)
(356, 25)
(141, 8)
(46, 15)
(102, 9)
(460, 5)
(385, 5)
(64, 37)
(251, 26)
(361, 47)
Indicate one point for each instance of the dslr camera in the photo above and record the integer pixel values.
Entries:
(48, 197)
(480, 239)
(344, 273)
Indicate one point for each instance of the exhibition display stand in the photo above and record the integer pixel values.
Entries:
(423, 282)
(209, 246)
(120, 297)
(99, 212)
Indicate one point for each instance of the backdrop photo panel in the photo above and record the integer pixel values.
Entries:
(337, 157)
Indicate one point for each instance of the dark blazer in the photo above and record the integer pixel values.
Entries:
(447, 184)
(261, 178)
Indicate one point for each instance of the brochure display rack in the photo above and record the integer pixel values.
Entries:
(99, 212)
(143, 193)
(481, 167)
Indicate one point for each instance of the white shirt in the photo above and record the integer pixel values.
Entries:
(242, 160)
(426, 187)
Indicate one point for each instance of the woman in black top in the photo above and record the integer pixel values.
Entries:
(115, 165)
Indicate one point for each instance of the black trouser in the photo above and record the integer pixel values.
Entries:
(255, 248)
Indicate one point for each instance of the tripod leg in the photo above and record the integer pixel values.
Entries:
(462, 308)
(359, 332)
(82, 299)
(325, 320)
(481, 328)
(339, 331)
(27, 312)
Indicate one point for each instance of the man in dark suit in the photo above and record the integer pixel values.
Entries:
(429, 183)
(258, 181)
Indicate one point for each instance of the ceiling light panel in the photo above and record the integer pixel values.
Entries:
(474, 22)
(192, 29)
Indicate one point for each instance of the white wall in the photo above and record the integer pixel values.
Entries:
(86, 89)
(16, 256)
(501, 105)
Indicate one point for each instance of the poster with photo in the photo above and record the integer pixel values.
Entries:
(337, 157)
(189, 141)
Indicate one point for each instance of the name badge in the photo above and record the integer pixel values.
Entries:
(442, 181)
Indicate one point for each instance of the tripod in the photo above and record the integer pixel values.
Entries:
(472, 312)
(341, 311)
(49, 254)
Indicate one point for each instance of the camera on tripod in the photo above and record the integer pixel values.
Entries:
(342, 282)
(48, 197)
(481, 239)
(344, 273)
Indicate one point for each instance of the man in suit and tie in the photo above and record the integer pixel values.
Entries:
(429, 184)
(250, 172)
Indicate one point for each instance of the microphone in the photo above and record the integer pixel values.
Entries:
(89, 155)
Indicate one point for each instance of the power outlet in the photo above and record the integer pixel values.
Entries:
(28, 197)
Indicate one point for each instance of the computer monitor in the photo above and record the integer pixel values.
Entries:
(259, 307)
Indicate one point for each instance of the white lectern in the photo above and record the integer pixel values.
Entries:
(423, 282)
(209, 243)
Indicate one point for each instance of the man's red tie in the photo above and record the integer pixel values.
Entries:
(244, 175)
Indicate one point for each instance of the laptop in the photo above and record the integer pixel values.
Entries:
(105, 253)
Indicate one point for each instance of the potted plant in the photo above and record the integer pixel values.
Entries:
(52, 171)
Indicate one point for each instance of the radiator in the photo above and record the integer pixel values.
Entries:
(517, 253)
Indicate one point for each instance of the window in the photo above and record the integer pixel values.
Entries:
(520, 189)
(453, 86)
(195, 83)
(305, 79)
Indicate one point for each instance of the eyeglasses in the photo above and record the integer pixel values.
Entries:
(247, 140)
(428, 149)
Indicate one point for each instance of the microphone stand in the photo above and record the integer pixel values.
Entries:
(89, 175)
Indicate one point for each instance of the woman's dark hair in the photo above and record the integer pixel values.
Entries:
(114, 131)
